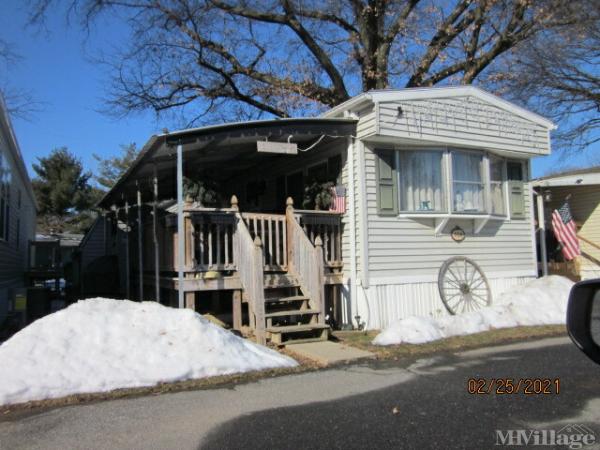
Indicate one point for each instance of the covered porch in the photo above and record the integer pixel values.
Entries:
(258, 248)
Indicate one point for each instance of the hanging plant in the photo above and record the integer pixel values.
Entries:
(204, 191)
(318, 196)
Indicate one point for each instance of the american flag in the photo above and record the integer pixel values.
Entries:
(338, 203)
(566, 231)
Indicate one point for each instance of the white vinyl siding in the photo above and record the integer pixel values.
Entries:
(388, 302)
(19, 227)
(463, 122)
(367, 123)
(400, 246)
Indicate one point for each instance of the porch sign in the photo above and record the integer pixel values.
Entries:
(284, 148)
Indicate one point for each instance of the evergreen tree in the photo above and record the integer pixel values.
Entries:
(63, 192)
(111, 169)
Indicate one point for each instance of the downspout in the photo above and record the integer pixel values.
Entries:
(364, 281)
(363, 217)
(352, 216)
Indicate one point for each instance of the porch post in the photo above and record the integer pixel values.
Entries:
(317, 290)
(180, 231)
(155, 237)
(237, 309)
(127, 268)
(140, 248)
(542, 227)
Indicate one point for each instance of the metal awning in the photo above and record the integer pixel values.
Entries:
(223, 147)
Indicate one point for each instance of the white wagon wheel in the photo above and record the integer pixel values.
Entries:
(463, 286)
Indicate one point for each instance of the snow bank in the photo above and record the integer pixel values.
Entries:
(102, 344)
(540, 302)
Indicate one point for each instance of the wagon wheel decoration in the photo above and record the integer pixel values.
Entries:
(463, 286)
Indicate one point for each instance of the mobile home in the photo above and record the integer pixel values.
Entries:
(394, 203)
(17, 214)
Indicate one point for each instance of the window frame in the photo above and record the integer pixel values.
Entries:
(484, 175)
(503, 185)
(443, 184)
(448, 184)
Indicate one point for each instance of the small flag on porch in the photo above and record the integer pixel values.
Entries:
(566, 231)
(338, 201)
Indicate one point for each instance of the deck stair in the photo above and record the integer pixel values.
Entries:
(289, 315)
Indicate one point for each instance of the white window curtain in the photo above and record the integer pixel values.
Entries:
(421, 181)
(467, 183)
(497, 186)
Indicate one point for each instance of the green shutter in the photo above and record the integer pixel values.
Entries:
(517, 199)
(387, 190)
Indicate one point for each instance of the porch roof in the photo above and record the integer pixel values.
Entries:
(217, 147)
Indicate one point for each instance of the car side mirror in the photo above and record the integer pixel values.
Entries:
(583, 317)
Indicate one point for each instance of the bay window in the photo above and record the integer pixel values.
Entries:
(442, 183)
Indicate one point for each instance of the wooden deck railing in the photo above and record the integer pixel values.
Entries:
(327, 225)
(250, 269)
(306, 261)
(271, 230)
(213, 240)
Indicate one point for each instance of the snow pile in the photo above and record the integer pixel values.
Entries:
(540, 302)
(102, 344)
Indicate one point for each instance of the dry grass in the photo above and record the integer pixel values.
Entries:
(362, 340)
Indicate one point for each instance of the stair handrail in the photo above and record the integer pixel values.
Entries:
(249, 262)
(306, 260)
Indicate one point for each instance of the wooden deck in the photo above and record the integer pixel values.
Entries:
(256, 256)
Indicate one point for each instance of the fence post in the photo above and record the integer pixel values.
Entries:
(258, 293)
(289, 217)
(317, 289)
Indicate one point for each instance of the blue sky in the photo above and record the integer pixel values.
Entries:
(57, 68)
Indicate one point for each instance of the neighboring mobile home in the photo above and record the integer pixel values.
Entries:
(582, 189)
(421, 176)
(17, 214)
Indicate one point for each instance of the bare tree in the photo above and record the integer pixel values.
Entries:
(19, 103)
(285, 57)
(558, 75)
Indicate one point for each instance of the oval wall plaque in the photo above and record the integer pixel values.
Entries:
(457, 234)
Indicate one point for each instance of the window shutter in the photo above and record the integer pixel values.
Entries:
(387, 190)
(517, 199)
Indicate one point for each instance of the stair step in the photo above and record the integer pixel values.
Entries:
(295, 312)
(273, 280)
(293, 298)
(297, 328)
